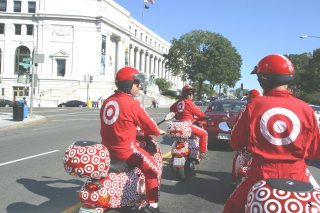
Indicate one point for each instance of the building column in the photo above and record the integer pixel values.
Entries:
(135, 57)
(156, 71)
(142, 61)
(163, 72)
(131, 56)
(147, 65)
(152, 71)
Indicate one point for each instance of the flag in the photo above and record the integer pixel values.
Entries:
(149, 1)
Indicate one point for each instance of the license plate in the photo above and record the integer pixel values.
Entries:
(85, 210)
(223, 136)
(179, 161)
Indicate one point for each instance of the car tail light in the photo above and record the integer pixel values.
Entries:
(93, 186)
(180, 145)
(210, 123)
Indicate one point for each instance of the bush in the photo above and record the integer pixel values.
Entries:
(171, 94)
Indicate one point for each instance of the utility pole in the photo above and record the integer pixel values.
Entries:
(88, 80)
(36, 58)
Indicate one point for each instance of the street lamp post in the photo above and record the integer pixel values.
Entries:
(309, 36)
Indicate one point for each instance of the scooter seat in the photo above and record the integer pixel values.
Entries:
(289, 185)
(117, 166)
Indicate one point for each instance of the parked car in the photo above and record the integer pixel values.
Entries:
(5, 103)
(222, 111)
(73, 103)
(198, 103)
(316, 110)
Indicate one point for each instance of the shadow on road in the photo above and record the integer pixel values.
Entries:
(203, 187)
(219, 146)
(60, 194)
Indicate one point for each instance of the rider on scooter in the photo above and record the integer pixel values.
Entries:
(254, 93)
(120, 115)
(279, 130)
(186, 110)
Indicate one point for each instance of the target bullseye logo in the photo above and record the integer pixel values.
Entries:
(280, 126)
(180, 106)
(111, 112)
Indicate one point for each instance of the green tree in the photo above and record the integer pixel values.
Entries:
(163, 84)
(204, 56)
(311, 76)
(307, 76)
(237, 92)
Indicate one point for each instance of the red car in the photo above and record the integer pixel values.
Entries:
(220, 113)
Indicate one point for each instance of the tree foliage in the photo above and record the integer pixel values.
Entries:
(307, 76)
(163, 84)
(204, 56)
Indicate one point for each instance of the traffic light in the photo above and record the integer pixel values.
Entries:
(241, 86)
(91, 78)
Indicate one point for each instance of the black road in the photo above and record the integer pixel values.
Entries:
(33, 178)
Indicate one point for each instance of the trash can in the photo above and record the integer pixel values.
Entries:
(18, 113)
(25, 111)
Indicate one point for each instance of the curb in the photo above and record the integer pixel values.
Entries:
(33, 120)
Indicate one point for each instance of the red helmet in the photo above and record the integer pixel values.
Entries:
(126, 76)
(254, 93)
(187, 90)
(275, 68)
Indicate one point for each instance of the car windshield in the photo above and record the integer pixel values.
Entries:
(226, 107)
(316, 108)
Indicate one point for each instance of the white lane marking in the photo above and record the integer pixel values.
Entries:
(76, 119)
(33, 156)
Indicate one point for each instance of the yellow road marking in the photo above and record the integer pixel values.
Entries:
(77, 206)
(72, 208)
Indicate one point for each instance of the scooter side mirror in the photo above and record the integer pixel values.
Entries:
(169, 116)
(224, 126)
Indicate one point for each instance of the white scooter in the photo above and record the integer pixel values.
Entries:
(277, 194)
(112, 186)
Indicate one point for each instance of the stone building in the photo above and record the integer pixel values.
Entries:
(76, 46)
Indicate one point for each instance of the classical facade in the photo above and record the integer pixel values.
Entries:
(76, 46)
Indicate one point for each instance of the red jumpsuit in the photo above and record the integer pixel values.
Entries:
(281, 132)
(120, 115)
(186, 110)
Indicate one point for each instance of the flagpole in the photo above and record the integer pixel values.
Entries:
(143, 5)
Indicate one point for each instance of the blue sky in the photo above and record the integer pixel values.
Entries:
(255, 28)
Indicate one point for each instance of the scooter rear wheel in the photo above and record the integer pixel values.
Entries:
(180, 172)
(113, 211)
(123, 210)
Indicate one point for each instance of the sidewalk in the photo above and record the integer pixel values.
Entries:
(6, 121)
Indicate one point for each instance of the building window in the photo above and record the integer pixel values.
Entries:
(1, 28)
(29, 29)
(31, 7)
(3, 5)
(17, 6)
(17, 29)
(135, 33)
(20, 91)
(61, 67)
(21, 53)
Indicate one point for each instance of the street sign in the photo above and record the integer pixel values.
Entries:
(27, 59)
(38, 58)
(25, 65)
